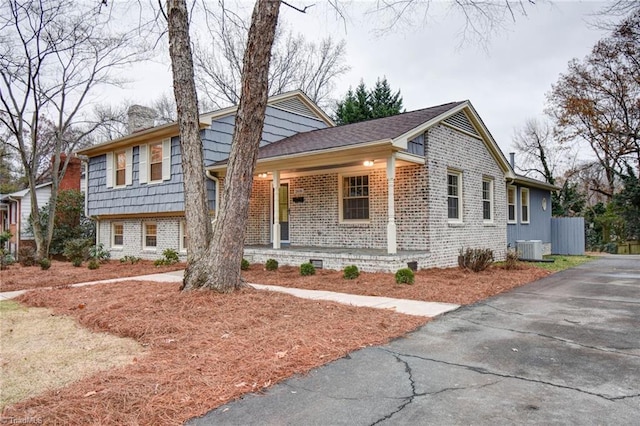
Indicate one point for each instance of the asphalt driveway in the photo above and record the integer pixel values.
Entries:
(562, 350)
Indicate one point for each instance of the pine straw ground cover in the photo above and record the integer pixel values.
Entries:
(17, 277)
(202, 349)
(452, 285)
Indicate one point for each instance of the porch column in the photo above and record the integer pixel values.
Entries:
(392, 247)
(276, 209)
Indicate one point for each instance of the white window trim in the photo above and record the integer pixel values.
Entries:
(144, 236)
(515, 204)
(457, 173)
(522, 197)
(340, 200)
(144, 162)
(183, 228)
(111, 168)
(113, 235)
(491, 203)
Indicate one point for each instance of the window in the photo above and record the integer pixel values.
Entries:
(155, 162)
(454, 196)
(150, 239)
(355, 198)
(511, 204)
(183, 236)
(487, 200)
(117, 232)
(524, 205)
(121, 168)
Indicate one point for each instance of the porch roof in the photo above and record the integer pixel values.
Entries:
(364, 134)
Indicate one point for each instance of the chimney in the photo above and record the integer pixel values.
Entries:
(140, 118)
(71, 178)
(512, 160)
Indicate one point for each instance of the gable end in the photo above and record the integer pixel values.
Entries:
(460, 121)
(296, 106)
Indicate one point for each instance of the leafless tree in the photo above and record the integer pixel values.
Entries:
(295, 62)
(53, 55)
(539, 153)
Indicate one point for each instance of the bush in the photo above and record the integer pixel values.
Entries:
(244, 265)
(77, 250)
(351, 272)
(5, 256)
(475, 260)
(27, 256)
(99, 253)
(45, 264)
(76, 262)
(405, 276)
(511, 262)
(130, 259)
(93, 264)
(271, 265)
(307, 269)
(169, 257)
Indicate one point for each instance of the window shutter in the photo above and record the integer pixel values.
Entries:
(128, 174)
(166, 159)
(142, 163)
(109, 169)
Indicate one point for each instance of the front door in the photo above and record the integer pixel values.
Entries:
(283, 210)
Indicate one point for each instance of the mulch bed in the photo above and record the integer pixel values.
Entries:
(452, 285)
(18, 277)
(203, 349)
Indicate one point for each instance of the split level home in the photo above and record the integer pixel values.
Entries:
(411, 189)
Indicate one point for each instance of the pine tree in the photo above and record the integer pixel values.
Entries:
(364, 104)
(382, 102)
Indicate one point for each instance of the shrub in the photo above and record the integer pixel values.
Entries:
(27, 256)
(5, 256)
(475, 260)
(511, 262)
(77, 250)
(271, 265)
(130, 259)
(93, 264)
(45, 264)
(76, 262)
(244, 265)
(169, 257)
(405, 276)
(307, 269)
(99, 253)
(351, 272)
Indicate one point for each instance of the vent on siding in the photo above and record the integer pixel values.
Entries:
(461, 121)
(296, 106)
(529, 250)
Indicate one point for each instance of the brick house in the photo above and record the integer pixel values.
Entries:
(415, 187)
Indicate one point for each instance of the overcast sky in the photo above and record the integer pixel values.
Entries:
(506, 80)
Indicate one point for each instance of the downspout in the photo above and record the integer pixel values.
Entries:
(216, 181)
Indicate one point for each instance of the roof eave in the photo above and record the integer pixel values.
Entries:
(533, 183)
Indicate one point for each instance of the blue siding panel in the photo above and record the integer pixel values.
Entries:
(168, 196)
(567, 235)
(539, 226)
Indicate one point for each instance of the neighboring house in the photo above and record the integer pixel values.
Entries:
(15, 208)
(412, 188)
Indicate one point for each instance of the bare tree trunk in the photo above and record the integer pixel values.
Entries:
(225, 253)
(195, 194)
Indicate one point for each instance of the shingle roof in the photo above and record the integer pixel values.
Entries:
(353, 134)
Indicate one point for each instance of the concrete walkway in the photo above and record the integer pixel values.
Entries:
(410, 307)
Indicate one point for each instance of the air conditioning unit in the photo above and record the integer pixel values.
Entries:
(529, 250)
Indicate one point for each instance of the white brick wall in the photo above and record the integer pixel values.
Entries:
(168, 236)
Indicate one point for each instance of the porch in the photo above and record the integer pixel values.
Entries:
(367, 260)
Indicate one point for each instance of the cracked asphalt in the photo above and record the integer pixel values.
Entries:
(562, 350)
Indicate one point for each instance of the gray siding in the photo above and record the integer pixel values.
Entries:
(167, 196)
(539, 226)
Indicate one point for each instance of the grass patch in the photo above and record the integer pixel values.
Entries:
(10, 305)
(563, 262)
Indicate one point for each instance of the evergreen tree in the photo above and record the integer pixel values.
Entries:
(383, 102)
(366, 104)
